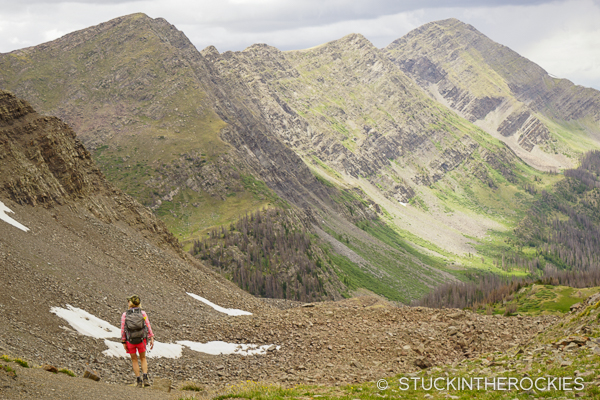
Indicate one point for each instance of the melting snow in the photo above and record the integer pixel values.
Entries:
(4, 217)
(164, 350)
(90, 325)
(228, 311)
(87, 324)
(218, 347)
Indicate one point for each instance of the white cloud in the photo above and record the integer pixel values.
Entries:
(53, 34)
(570, 54)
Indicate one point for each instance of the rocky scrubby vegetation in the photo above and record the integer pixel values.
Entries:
(271, 253)
(555, 243)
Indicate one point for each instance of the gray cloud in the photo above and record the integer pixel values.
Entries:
(547, 32)
(269, 15)
(263, 16)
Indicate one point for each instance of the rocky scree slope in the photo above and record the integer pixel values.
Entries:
(507, 95)
(86, 249)
(89, 245)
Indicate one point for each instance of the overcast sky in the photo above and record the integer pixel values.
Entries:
(561, 36)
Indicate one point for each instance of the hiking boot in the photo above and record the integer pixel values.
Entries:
(139, 382)
(146, 380)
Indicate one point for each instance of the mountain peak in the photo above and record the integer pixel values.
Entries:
(449, 22)
(354, 40)
(261, 47)
(210, 50)
(478, 77)
(450, 27)
(127, 26)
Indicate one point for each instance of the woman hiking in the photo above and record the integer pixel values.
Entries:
(135, 328)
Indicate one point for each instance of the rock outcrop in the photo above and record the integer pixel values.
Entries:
(44, 164)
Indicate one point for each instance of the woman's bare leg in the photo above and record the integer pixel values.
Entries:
(144, 362)
(134, 362)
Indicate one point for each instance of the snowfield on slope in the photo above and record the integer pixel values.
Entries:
(160, 350)
(228, 311)
(86, 323)
(6, 218)
(89, 325)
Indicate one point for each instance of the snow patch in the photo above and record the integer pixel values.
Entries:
(228, 311)
(172, 350)
(218, 347)
(160, 350)
(6, 218)
(86, 323)
(404, 204)
(90, 325)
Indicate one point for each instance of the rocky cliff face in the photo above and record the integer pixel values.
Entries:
(50, 165)
(344, 107)
(507, 95)
(44, 164)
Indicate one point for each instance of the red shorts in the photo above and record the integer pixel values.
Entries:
(140, 347)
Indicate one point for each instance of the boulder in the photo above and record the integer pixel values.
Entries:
(423, 362)
(50, 368)
(93, 375)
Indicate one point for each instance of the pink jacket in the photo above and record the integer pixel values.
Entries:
(146, 320)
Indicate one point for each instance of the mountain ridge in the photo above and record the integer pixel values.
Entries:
(395, 192)
(340, 132)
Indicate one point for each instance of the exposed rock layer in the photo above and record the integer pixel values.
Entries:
(476, 76)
